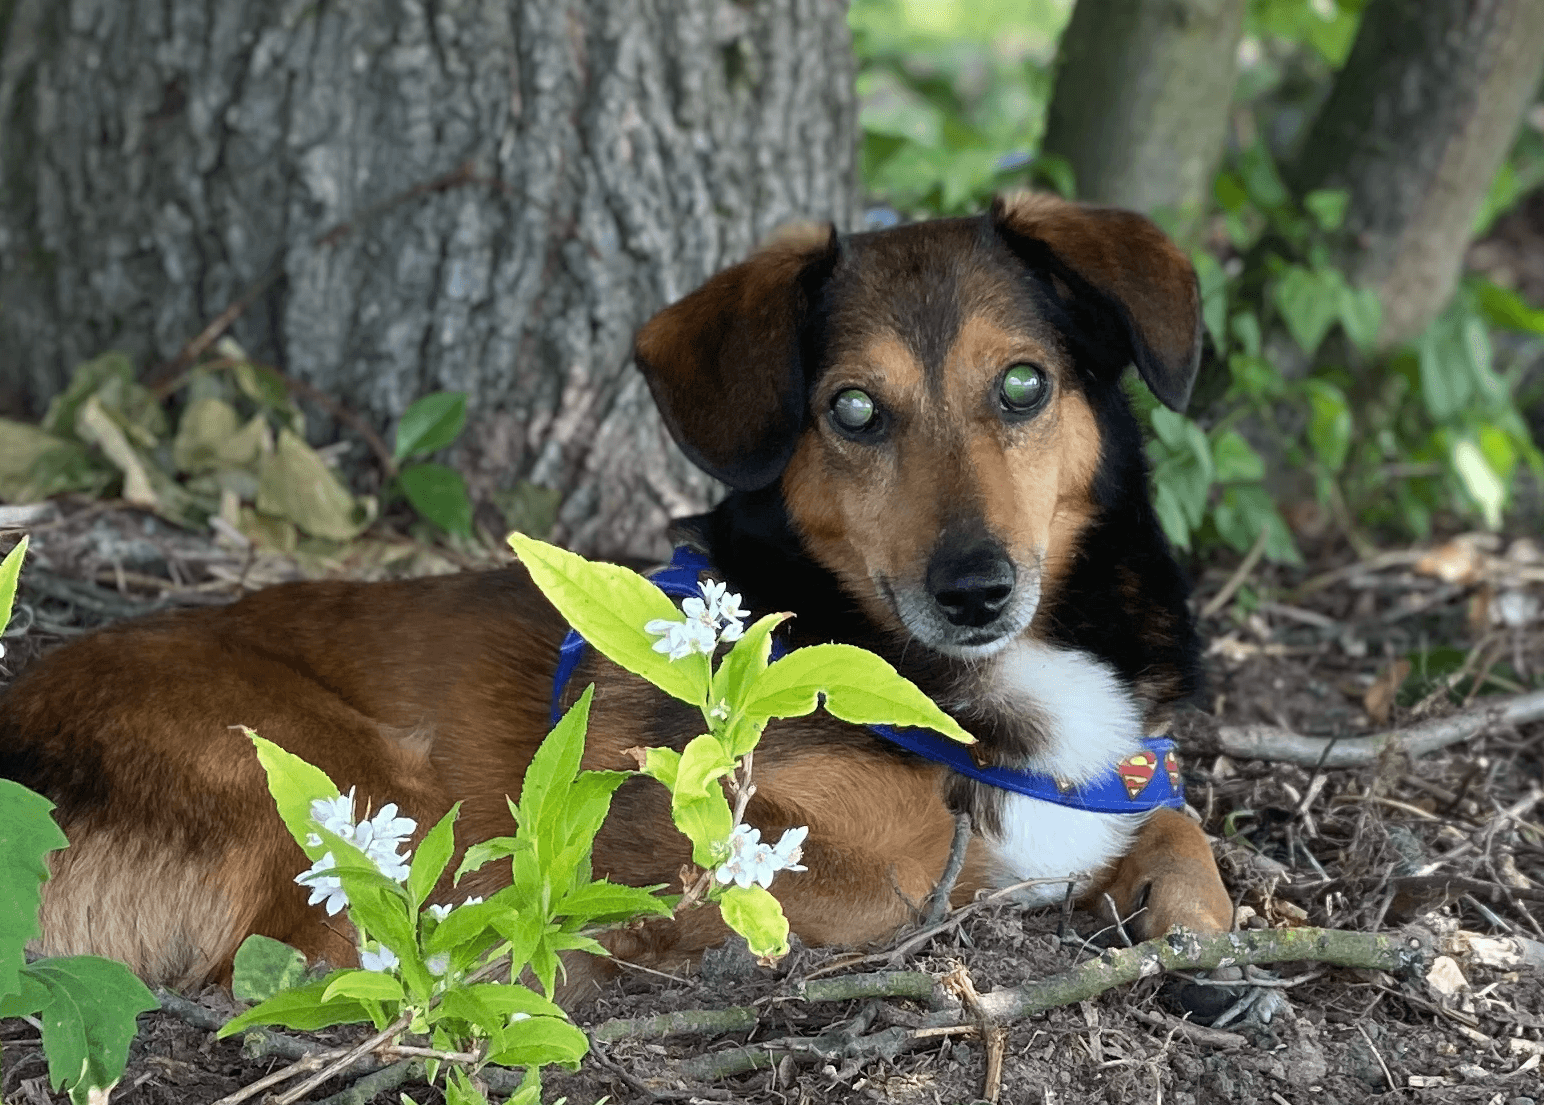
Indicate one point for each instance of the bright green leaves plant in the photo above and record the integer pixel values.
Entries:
(86, 1005)
(612, 607)
(422, 968)
(438, 493)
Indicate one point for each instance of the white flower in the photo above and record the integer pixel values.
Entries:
(437, 965)
(440, 912)
(721, 711)
(382, 959)
(750, 860)
(324, 887)
(790, 849)
(336, 815)
(714, 617)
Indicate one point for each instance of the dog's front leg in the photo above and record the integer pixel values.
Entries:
(1167, 878)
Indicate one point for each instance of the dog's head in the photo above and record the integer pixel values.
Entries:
(936, 400)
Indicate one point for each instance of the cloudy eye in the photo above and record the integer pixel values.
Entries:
(853, 410)
(1023, 389)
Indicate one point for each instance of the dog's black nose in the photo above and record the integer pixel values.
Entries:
(971, 585)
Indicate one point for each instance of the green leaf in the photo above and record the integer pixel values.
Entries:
(490, 1004)
(1329, 423)
(1505, 309)
(1480, 481)
(88, 1019)
(296, 484)
(609, 606)
(264, 966)
(1309, 301)
(663, 764)
(439, 494)
(301, 1008)
(431, 423)
(744, 664)
(10, 572)
(433, 854)
(1235, 458)
(1245, 510)
(35, 464)
(362, 985)
(1361, 316)
(485, 852)
(605, 902)
(554, 766)
(1171, 515)
(703, 763)
(1261, 179)
(1327, 206)
(294, 785)
(537, 1042)
(755, 914)
(1446, 361)
(112, 372)
(707, 823)
(858, 686)
(27, 835)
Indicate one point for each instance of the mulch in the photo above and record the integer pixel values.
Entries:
(1452, 840)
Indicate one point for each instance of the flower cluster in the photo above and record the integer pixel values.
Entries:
(715, 617)
(378, 837)
(750, 860)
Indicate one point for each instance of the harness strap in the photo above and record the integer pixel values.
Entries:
(1140, 783)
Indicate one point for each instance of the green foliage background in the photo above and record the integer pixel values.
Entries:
(954, 96)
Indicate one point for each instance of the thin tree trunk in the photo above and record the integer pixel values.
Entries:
(1140, 106)
(485, 195)
(1416, 126)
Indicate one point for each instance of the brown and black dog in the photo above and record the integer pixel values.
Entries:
(931, 455)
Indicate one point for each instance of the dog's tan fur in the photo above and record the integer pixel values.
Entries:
(430, 691)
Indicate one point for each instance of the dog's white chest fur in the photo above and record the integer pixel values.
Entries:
(1092, 722)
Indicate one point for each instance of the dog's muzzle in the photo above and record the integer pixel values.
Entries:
(973, 600)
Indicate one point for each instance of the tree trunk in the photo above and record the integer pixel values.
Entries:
(1140, 106)
(1415, 127)
(482, 195)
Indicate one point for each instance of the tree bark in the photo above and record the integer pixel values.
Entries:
(482, 195)
(1140, 105)
(1415, 127)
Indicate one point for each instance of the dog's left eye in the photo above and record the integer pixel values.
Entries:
(854, 411)
(1023, 389)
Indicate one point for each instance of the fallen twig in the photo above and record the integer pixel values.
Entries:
(1190, 951)
(937, 907)
(1196, 1033)
(1268, 742)
(737, 1018)
(1236, 580)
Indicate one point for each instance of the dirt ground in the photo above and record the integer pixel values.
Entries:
(1318, 653)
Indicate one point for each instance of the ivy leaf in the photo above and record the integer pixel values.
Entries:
(87, 1007)
(858, 686)
(430, 424)
(610, 605)
(265, 966)
(27, 834)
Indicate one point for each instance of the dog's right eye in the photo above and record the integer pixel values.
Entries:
(854, 411)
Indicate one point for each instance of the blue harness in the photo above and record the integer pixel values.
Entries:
(1138, 784)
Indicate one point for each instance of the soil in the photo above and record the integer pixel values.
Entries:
(1310, 650)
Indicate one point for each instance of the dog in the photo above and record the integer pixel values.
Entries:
(930, 454)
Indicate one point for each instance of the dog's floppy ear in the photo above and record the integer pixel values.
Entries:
(725, 364)
(1126, 259)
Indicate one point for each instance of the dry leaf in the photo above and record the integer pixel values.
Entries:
(1379, 698)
